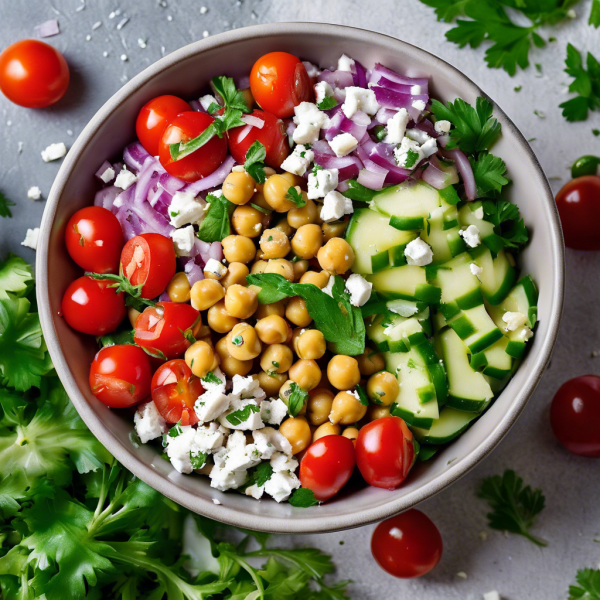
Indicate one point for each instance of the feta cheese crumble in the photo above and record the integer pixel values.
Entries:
(411, 152)
(54, 152)
(216, 268)
(321, 182)
(343, 143)
(211, 404)
(273, 411)
(206, 101)
(359, 289)
(335, 206)
(281, 485)
(418, 253)
(298, 161)
(185, 209)
(125, 179)
(471, 236)
(359, 99)
(148, 423)
(442, 126)
(322, 91)
(396, 127)
(108, 175)
(183, 240)
(34, 193)
(345, 63)
(514, 320)
(475, 269)
(31, 238)
(478, 213)
(309, 121)
(493, 595)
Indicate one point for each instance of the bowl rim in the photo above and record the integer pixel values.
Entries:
(187, 498)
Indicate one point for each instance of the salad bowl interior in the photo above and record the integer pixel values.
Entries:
(185, 73)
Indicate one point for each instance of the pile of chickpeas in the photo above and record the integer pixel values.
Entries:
(275, 341)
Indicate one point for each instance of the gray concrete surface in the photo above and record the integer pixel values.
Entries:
(571, 520)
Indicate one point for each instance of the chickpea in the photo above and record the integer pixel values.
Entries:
(303, 216)
(206, 293)
(319, 406)
(307, 241)
(283, 226)
(179, 288)
(342, 372)
(238, 187)
(201, 358)
(219, 319)
(272, 330)
(238, 248)
(275, 190)
(236, 274)
(296, 333)
(300, 267)
(221, 348)
(378, 412)
(297, 432)
(346, 409)
(277, 358)
(306, 373)
(311, 344)
(326, 429)
(351, 433)
(258, 267)
(205, 332)
(274, 243)
(232, 366)
(271, 382)
(319, 279)
(132, 315)
(259, 186)
(335, 229)
(336, 256)
(383, 388)
(243, 343)
(280, 266)
(369, 362)
(247, 221)
(292, 179)
(297, 313)
(240, 302)
(266, 310)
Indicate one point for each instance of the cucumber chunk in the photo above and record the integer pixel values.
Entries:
(498, 275)
(467, 215)
(407, 200)
(494, 361)
(456, 280)
(475, 327)
(451, 424)
(399, 282)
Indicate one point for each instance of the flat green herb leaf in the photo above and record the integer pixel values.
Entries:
(16, 277)
(239, 416)
(117, 338)
(216, 226)
(180, 150)
(260, 474)
(585, 84)
(198, 460)
(362, 395)
(228, 120)
(447, 10)
(297, 399)
(232, 97)
(359, 192)
(255, 161)
(213, 107)
(507, 221)
(327, 103)
(595, 14)
(489, 172)
(588, 587)
(5, 205)
(212, 378)
(293, 195)
(303, 498)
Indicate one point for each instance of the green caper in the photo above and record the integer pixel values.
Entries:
(586, 165)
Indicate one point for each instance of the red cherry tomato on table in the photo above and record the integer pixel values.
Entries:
(279, 82)
(94, 239)
(327, 465)
(200, 163)
(575, 415)
(408, 545)
(149, 260)
(92, 306)
(385, 452)
(154, 117)
(33, 74)
(162, 328)
(578, 204)
(120, 376)
(272, 136)
(174, 392)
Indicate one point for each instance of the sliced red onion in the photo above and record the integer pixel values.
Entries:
(383, 155)
(147, 179)
(393, 99)
(363, 154)
(213, 180)
(337, 79)
(200, 249)
(243, 83)
(426, 126)
(372, 180)
(380, 71)
(215, 251)
(348, 166)
(135, 156)
(159, 197)
(131, 224)
(343, 186)
(438, 177)
(359, 75)
(403, 89)
(47, 28)
(105, 165)
(443, 140)
(170, 184)
(106, 196)
(195, 104)
(464, 169)
(253, 120)
(164, 297)
(340, 123)
(194, 273)
(244, 133)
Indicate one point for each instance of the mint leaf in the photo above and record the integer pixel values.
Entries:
(327, 103)
(489, 171)
(5, 205)
(586, 84)
(255, 161)
(239, 416)
(297, 399)
(303, 498)
(293, 195)
(216, 226)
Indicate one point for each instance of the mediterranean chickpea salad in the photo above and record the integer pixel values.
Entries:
(301, 272)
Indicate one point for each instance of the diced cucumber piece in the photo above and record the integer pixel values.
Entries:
(407, 223)
(451, 424)
(475, 327)
(374, 331)
(436, 236)
(407, 200)
(399, 282)
(456, 280)
(427, 452)
(467, 389)
(498, 275)
(404, 308)
(494, 361)
(467, 215)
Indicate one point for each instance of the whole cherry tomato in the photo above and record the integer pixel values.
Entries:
(174, 391)
(153, 118)
(408, 545)
(578, 204)
(327, 465)
(575, 415)
(279, 82)
(120, 375)
(92, 306)
(200, 163)
(385, 452)
(33, 74)
(272, 136)
(149, 260)
(94, 239)
(164, 328)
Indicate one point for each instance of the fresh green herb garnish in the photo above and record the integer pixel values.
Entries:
(255, 162)
(260, 475)
(198, 460)
(596, 132)
(212, 378)
(293, 195)
(239, 416)
(176, 430)
(359, 192)
(297, 399)
(5, 205)
(411, 159)
(213, 107)
(362, 395)
(518, 88)
(265, 211)
(514, 507)
(303, 498)
(122, 285)
(16, 277)
(238, 340)
(489, 171)
(589, 585)
(327, 103)
(117, 338)
(232, 97)
(586, 84)
(595, 14)
(507, 221)
(216, 226)
(380, 132)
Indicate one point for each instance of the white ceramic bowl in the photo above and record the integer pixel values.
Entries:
(186, 72)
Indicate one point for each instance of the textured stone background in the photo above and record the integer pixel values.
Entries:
(571, 520)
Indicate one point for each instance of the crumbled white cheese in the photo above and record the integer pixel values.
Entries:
(475, 269)
(321, 182)
(108, 175)
(493, 595)
(514, 320)
(125, 179)
(359, 99)
(415, 90)
(179, 449)
(34, 193)
(345, 63)
(241, 458)
(207, 100)
(417, 135)
(334, 205)
(471, 236)
(208, 385)
(396, 127)
(255, 491)
(524, 333)
(419, 105)
(329, 287)
(185, 209)
(54, 152)
(461, 574)
(223, 479)
(281, 485)
(298, 161)
(148, 422)
(273, 411)
(418, 253)
(209, 439)
(31, 238)
(322, 91)
(309, 120)
(442, 126)
(359, 289)
(211, 404)
(183, 240)
(271, 438)
(216, 268)
(343, 143)
(405, 153)
(283, 462)
(247, 387)
(252, 422)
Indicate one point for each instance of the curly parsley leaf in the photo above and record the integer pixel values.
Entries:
(489, 172)
(588, 587)
(255, 161)
(5, 205)
(586, 84)
(303, 498)
(327, 103)
(216, 226)
(514, 507)
(212, 378)
(16, 277)
(295, 196)
(508, 224)
(297, 399)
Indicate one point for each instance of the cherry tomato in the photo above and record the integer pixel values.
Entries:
(575, 415)
(279, 82)
(200, 163)
(33, 74)
(272, 136)
(120, 376)
(92, 306)
(154, 117)
(408, 545)
(94, 239)
(578, 204)
(162, 327)
(385, 452)
(149, 260)
(174, 391)
(327, 465)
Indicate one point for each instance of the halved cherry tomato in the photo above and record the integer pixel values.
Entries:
(385, 452)
(200, 163)
(279, 82)
(174, 392)
(272, 136)
(163, 328)
(120, 375)
(94, 239)
(327, 465)
(578, 204)
(92, 306)
(33, 74)
(149, 260)
(575, 415)
(408, 545)
(153, 118)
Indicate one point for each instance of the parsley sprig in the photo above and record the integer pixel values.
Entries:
(508, 224)
(327, 103)
(255, 161)
(294, 195)
(216, 225)
(5, 205)
(588, 587)
(123, 285)
(297, 399)
(586, 84)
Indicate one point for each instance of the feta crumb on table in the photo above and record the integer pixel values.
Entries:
(148, 422)
(471, 236)
(54, 152)
(183, 240)
(125, 179)
(31, 238)
(418, 253)
(359, 289)
(343, 143)
(185, 209)
(34, 193)
(298, 161)
(321, 182)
